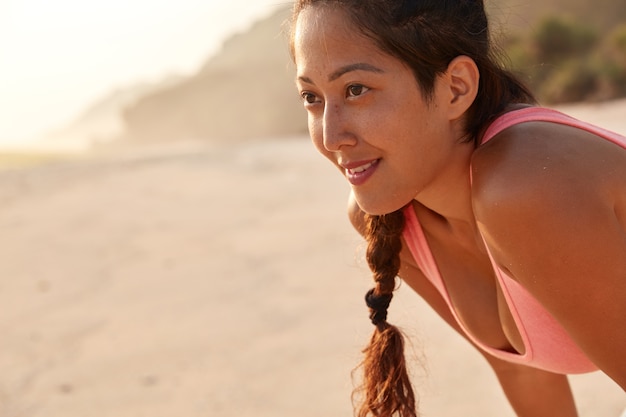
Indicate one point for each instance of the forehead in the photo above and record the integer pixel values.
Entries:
(318, 19)
(325, 35)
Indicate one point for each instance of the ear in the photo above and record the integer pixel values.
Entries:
(462, 78)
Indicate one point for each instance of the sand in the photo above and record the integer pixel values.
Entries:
(199, 280)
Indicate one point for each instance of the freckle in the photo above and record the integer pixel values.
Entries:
(43, 286)
(149, 380)
(66, 388)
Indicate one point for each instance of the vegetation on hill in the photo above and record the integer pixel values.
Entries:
(566, 60)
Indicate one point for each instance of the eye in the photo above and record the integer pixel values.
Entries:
(355, 90)
(308, 97)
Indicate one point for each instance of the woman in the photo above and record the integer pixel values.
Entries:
(508, 219)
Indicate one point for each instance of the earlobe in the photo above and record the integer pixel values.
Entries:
(463, 79)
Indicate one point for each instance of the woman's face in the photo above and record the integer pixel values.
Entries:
(366, 112)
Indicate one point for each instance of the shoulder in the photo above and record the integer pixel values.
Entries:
(538, 180)
(545, 161)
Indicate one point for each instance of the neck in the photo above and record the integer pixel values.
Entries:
(449, 195)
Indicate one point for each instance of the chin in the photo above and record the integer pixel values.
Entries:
(377, 207)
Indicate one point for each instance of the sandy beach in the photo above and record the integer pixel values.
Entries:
(211, 280)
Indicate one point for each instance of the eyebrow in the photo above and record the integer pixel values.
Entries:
(360, 66)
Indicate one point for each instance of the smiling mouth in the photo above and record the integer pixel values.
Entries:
(361, 168)
(359, 174)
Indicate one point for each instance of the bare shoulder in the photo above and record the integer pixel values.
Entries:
(542, 154)
(547, 167)
(550, 201)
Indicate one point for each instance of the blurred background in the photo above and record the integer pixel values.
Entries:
(79, 74)
(172, 245)
(83, 72)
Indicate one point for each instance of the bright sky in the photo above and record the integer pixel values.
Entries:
(57, 56)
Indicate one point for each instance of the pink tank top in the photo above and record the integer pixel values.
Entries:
(547, 344)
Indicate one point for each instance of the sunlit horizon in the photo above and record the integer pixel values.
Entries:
(57, 58)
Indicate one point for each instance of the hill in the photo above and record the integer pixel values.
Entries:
(246, 90)
(101, 121)
(566, 51)
(515, 16)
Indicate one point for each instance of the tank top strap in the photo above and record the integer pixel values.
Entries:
(542, 114)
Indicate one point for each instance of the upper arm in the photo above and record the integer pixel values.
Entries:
(551, 223)
(532, 391)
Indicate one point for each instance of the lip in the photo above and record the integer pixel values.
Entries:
(357, 172)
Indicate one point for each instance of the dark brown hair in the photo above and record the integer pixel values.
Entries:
(426, 35)
(386, 389)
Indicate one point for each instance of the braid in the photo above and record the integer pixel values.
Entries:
(386, 388)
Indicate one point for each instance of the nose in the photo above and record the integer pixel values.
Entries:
(336, 132)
